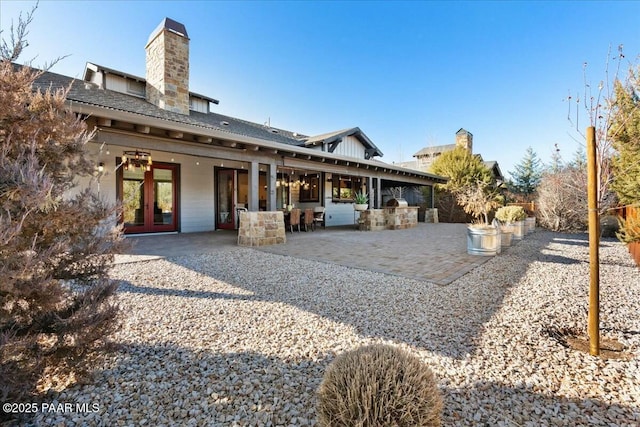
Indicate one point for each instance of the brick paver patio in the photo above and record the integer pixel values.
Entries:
(433, 252)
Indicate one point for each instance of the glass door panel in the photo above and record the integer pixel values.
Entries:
(163, 196)
(133, 196)
(225, 217)
(163, 202)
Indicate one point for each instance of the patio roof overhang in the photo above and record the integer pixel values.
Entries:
(124, 128)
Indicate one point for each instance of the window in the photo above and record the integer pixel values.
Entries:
(344, 187)
(136, 88)
(309, 188)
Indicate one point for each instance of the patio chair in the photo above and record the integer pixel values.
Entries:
(309, 219)
(318, 216)
(294, 219)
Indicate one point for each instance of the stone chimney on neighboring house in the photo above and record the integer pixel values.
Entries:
(464, 139)
(168, 67)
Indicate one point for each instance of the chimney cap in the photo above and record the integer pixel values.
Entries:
(170, 25)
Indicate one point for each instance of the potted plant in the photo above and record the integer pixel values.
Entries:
(361, 201)
(530, 224)
(512, 220)
(479, 200)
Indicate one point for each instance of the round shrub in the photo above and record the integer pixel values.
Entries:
(378, 385)
(509, 214)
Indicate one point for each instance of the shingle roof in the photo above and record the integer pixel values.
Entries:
(435, 149)
(493, 166)
(85, 92)
(93, 68)
(90, 94)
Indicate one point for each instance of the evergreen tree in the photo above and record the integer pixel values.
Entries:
(55, 247)
(579, 161)
(556, 162)
(462, 168)
(625, 135)
(527, 175)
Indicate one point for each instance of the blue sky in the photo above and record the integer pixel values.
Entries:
(409, 74)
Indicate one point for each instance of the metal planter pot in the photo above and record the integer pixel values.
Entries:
(530, 224)
(484, 241)
(505, 238)
(517, 228)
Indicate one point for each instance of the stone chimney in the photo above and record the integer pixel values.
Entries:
(464, 139)
(168, 67)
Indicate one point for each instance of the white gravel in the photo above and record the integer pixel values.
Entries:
(242, 338)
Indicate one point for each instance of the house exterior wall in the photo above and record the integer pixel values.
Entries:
(197, 208)
(350, 146)
(121, 84)
(196, 188)
(199, 105)
(336, 213)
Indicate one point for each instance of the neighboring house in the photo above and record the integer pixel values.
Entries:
(177, 166)
(426, 156)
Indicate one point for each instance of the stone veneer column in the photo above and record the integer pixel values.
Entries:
(261, 228)
(167, 64)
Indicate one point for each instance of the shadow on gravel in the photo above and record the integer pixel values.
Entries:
(128, 287)
(571, 239)
(558, 259)
(492, 404)
(445, 319)
(448, 320)
(168, 385)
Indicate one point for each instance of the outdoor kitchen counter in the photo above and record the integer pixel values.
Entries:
(389, 218)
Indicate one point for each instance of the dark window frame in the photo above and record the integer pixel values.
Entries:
(344, 187)
(312, 192)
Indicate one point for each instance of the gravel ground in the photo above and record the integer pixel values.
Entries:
(237, 339)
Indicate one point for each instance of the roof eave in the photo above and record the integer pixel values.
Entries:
(285, 149)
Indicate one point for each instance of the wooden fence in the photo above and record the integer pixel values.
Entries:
(625, 212)
(529, 207)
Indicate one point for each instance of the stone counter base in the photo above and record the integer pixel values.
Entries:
(261, 229)
(392, 218)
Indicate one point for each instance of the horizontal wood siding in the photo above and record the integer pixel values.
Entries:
(196, 194)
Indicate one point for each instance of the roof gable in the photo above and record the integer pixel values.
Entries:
(335, 137)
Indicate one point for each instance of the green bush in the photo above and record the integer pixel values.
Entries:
(378, 385)
(507, 214)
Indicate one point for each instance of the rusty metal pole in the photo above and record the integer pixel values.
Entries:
(594, 243)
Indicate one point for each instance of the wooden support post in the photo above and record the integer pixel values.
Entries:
(594, 243)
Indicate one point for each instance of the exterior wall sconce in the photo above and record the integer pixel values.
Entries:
(101, 167)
